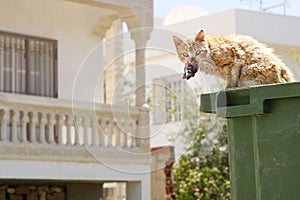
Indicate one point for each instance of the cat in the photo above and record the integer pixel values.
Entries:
(239, 60)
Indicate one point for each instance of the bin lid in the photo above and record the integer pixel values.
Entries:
(246, 101)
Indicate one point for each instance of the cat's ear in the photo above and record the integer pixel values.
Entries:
(177, 41)
(200, 36)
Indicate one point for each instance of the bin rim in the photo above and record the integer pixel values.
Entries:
(255, 99)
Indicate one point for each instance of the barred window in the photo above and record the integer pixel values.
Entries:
(28, 65)
(172, 95)
(168, 94)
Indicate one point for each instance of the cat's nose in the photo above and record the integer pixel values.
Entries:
(192, 63)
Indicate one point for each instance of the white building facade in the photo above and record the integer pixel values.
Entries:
(56, 133)
(277, 31)
(169, 91)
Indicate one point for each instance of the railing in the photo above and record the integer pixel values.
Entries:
(32, 127)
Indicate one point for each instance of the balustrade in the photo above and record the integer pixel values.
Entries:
(49, 124)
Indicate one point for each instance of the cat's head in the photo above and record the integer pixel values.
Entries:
(191, 52)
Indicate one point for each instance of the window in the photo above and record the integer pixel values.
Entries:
(168, 94)
(28, 65)
(172, 96)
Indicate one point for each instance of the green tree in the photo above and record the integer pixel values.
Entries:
(202, 172)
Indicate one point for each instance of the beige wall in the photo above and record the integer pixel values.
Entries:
(71, 24)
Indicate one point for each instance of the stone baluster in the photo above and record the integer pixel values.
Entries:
(24, 122)
(130, 136)
(134, 138)
(32, 126)
(118, 132)
(69, 124)
(51, 123)
(86, 124)
(42, 123)
(102, 131)
(95, 132)
(122, 133)
(60, 122)
(110, 131)
(78, 124)
(4, 119)
(126, 134)
(14, 119)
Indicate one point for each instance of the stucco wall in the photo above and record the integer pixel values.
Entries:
(71, 24)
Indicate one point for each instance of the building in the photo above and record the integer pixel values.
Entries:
(58, 140)
(277, 31)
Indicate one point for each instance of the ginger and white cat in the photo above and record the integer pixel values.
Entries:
(239, 60)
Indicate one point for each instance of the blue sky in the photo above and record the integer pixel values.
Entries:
(162, 7)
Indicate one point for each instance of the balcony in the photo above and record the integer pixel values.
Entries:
(46, 129)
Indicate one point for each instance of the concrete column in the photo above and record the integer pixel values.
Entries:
(139, 25)
(113, 62)
(143, 135)
(140, 77)
(139, 190)
(134, 190)
(140, 40)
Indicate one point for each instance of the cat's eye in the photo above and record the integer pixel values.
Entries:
(185, 54)
(198, 52)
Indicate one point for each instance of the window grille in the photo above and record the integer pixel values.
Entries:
(28, 65)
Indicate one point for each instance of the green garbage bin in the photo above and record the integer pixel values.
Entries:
(263, 137)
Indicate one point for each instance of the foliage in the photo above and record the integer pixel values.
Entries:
(200, 182)
(203, 173)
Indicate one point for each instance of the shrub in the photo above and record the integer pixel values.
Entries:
(203, 176)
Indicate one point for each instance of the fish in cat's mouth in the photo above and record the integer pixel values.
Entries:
(189, 71)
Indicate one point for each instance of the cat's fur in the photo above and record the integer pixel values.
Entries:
(239, 60)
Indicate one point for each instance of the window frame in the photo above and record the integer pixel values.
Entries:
(24, 47)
